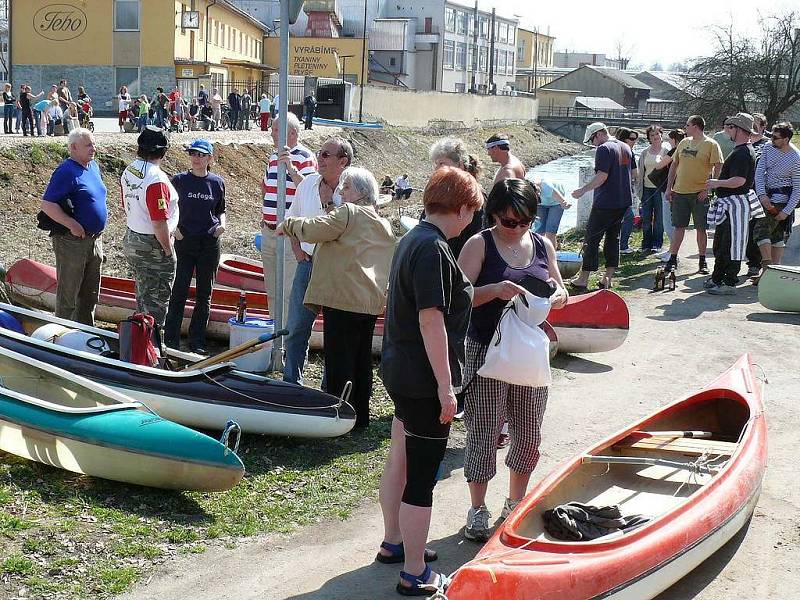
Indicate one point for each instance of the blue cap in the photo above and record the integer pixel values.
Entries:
(201, 145)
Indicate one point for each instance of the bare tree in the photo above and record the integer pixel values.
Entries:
(624, 52)
(749, 72)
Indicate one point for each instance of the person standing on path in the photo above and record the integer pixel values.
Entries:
(653, 171)
(247, 103)
(202, 96)
(316, 195)
(9, 103)
(264, 112)
(731, 211)
(76, 199)
(310, 104)
(201, 204)
(630, 137)
(612, 198)
(777, 184)
(497, 262)
(300, 162)
(26, 98)
(151, 205)
(758, 140)
(498, 147)
(696, 158)
(124, 102)
(427, 315)
(234, 108)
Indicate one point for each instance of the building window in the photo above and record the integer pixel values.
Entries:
(511, 31)
(503, 32)
(501, 64)
(470, 57)
(449, 51)
(126, 15)
(450, 19)
(392, 61)
(484, 27)
(461, 56)
(510, 63)
(462, 23)
(484, 59)
(128, 76)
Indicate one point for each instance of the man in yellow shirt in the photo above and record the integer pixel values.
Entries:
(697, 159)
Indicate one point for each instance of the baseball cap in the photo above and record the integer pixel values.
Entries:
(592, 129)
(201, 145)
(153, 138)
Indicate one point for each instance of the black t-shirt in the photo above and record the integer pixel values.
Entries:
(424, 274)
(8, 98)
(740, 163)
(24, 101)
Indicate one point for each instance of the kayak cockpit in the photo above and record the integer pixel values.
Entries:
(652, 469)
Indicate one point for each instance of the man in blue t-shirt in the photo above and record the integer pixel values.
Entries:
(612, 197)
(76, 200)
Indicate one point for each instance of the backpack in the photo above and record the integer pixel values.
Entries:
(136, 340)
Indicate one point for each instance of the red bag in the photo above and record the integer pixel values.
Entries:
(136, 340)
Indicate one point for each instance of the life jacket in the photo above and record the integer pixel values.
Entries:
(136, 340)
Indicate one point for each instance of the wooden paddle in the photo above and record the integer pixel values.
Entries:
(250, 346)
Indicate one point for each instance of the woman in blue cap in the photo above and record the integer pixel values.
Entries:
(201, 198)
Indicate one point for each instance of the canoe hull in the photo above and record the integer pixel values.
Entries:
(241, 273)
(641, 563)
(595, 322)
(779, 288)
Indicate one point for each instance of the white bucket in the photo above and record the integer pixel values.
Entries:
(255, 362)
(71, 338)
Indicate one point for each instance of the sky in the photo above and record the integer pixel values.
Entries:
(663, 32)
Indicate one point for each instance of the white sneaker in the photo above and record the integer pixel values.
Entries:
(509, 506)
(627, 251)
(477, 527)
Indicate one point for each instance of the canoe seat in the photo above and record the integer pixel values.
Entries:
(677, 445)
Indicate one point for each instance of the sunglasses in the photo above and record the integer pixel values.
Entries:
(775, 136)
(326, 154)
(197, 153)
(513, 223)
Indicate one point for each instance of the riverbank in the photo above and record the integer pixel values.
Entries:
(27, 163)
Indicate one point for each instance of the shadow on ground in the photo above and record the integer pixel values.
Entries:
(578, 364)
(775, 317)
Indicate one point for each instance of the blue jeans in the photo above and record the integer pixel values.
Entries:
(627, 229)
(299, 323)
(37, 122)
(548, 218)
(652, 222)
(144, 121)
(8, 118)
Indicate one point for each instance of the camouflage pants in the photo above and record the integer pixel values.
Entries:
(153, 273)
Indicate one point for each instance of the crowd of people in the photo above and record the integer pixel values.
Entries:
(748, 191)
(45, 114)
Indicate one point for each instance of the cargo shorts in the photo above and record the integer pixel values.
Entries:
(769, 228)
(686, 206)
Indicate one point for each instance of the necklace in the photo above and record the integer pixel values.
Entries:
(514, 251)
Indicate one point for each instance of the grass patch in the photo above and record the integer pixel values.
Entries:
(98, 536)
(56, 149)
(37, 155)
(8, 153)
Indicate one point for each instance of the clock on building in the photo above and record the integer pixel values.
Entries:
(190, 19)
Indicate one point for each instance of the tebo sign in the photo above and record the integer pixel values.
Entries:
(59, 22)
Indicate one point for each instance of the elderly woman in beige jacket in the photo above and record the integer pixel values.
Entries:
(349, 281)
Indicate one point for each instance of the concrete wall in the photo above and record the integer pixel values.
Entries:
(417, 109)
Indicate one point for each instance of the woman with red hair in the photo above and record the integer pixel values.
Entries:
(427, 315)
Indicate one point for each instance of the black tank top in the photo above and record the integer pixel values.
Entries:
(495, 269)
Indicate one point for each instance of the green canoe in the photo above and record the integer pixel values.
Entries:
(59, 419)
(779, 288)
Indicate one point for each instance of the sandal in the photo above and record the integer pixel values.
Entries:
(578, 289)
(602, 285)
(398, 554)
(419, 583)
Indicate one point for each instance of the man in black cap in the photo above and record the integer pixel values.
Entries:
(151, 206)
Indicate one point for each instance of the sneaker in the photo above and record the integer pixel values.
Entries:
(626, 251)
(753, 271)
(508, 507)
(702, 267)
(477, 528)
(672, 265)
(664, 256)
(722, 290)
(709, 284)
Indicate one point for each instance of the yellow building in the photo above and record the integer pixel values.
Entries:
(534, 54)
(143, 44)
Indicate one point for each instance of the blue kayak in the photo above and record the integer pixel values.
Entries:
(54, 417)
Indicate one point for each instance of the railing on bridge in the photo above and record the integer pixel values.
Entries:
(662, 114)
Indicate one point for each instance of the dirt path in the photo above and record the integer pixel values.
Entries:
(678, 342)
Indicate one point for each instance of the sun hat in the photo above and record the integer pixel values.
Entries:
(201, 145)
(742, 120)
(592, 129)
(153, 138)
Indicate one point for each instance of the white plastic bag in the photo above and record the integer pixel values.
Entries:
(519, 353)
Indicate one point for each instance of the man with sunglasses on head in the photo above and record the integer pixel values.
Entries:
(758, 140)
(317, 194)
(612, 199)
(696, 158)
(731, 213)
(300, 162)
(777, 184)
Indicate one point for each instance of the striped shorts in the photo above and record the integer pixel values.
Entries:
(488, 404)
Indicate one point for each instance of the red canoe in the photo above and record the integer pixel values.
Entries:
(35, 284)
(594, 322)
(697, 492)
(241, 273)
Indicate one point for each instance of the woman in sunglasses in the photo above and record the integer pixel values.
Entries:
(201, 199)
(498, 261)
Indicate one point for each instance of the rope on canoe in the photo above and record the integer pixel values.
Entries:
(336, 407)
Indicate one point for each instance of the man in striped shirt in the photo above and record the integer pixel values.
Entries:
(299, 161)
(778, 187)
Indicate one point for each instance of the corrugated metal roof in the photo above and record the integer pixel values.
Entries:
(598, 103)
(620, 77)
